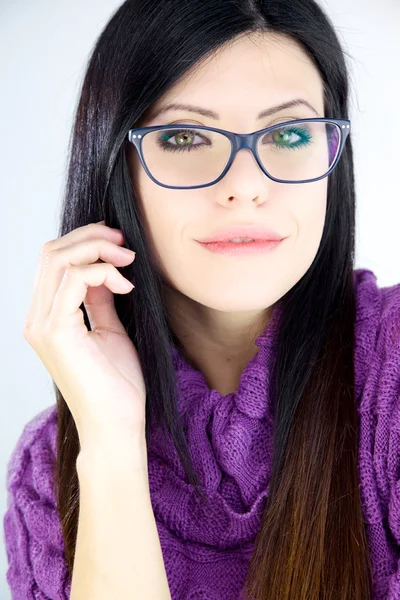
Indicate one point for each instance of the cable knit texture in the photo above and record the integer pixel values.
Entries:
(207, 549)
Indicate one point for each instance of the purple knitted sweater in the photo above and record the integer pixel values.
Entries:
(207, 550)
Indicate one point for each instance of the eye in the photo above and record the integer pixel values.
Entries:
(289, 137)
(183, 140)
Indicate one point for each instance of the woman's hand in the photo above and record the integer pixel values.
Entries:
(98, 372)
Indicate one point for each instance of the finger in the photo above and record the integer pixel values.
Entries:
(87, 232)
(66, 315)
(55, 262)
(41, 283)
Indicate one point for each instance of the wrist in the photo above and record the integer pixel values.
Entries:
(115, 452)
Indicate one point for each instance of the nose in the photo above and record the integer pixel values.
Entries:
(244, 180)
(245, 164)
(245, 141)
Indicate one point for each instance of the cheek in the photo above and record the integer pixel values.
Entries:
(309, 217)
(165, 220)
(312, 211)
(164, 216)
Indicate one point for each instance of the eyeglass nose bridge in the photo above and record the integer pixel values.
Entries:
(244, 141)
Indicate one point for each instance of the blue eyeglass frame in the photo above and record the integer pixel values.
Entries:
(238, 142)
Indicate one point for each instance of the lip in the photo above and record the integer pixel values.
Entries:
(242, 231)
(242, 248)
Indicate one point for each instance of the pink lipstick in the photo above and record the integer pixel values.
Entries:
(242, 248)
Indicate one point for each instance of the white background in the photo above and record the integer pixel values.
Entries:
(44, 48)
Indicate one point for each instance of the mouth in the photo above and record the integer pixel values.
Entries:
(239, 247)
(243, 233)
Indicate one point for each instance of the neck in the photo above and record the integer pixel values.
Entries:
(217, 344)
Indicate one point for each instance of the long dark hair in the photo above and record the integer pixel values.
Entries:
(312, 542)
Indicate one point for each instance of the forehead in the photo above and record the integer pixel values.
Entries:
(248, 75)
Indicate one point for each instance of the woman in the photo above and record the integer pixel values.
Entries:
(263, 397)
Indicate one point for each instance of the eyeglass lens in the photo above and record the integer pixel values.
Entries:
(188, 157)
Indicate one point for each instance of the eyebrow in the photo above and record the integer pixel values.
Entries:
(213, 115)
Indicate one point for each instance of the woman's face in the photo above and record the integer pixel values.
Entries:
(243, 79)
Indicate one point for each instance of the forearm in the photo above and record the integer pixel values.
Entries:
(118, 552)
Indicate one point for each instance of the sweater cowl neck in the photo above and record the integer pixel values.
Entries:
(230, 442)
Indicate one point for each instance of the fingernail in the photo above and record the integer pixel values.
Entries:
(128, 251)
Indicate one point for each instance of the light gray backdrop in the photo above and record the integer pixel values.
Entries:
(43, 51)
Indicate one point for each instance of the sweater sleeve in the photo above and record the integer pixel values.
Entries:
(32, 531)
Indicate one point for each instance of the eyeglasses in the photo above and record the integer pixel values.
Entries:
(184, 156)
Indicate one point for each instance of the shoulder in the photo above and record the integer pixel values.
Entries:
(377, 338)
(33, 456)
(375, 305)
(32, 529)
(377, 371)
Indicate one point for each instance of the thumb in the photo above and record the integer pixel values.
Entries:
(101, 311)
